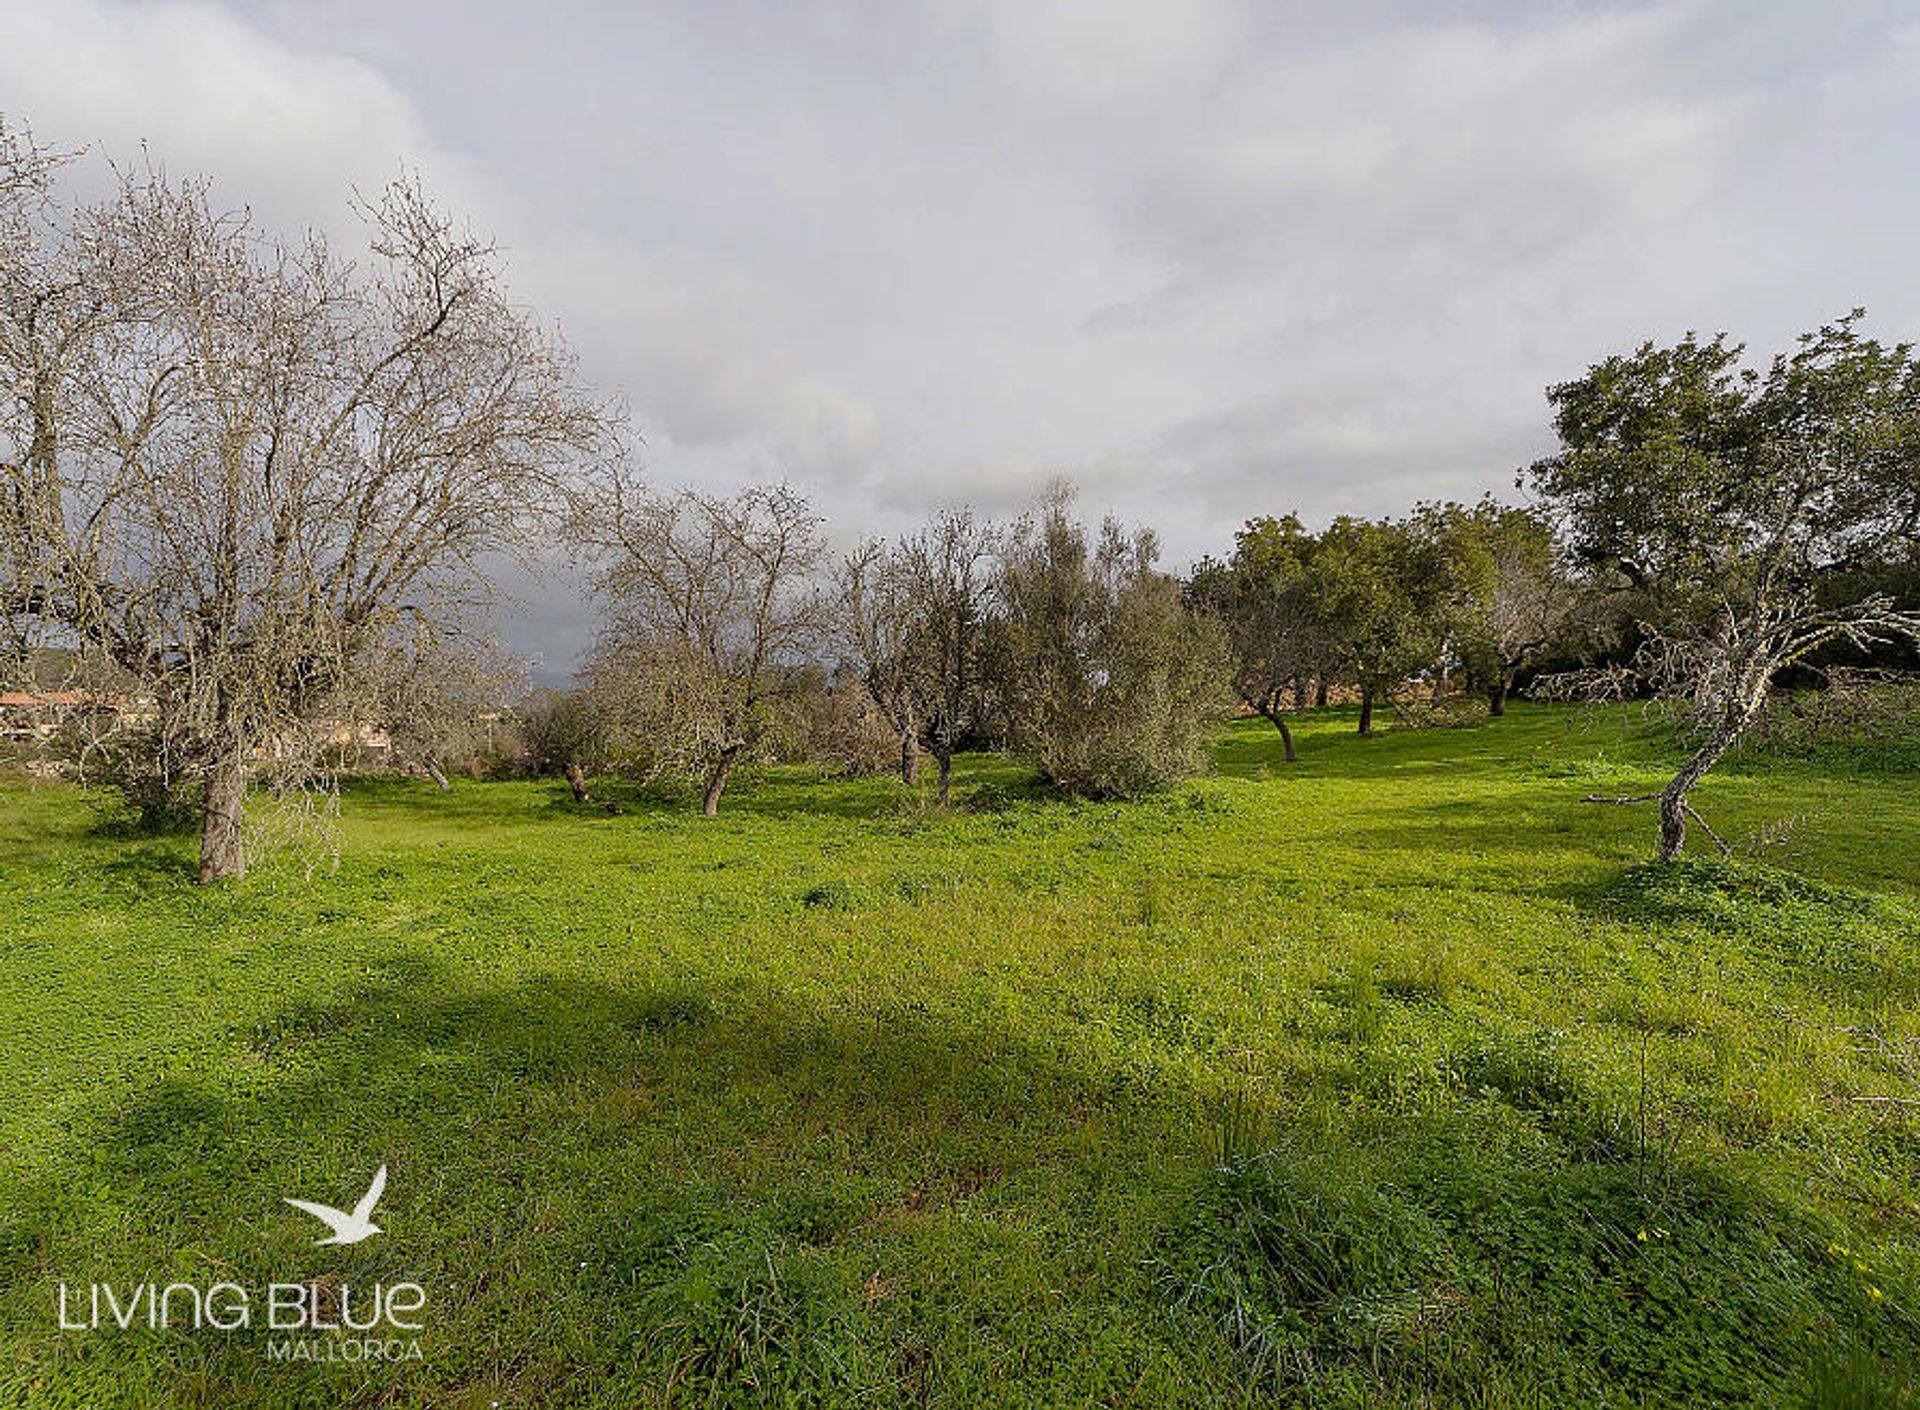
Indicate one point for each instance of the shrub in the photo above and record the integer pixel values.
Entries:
(1106, 678)
(1301, 1263)
(137, 765)
(841, 728)
(560, 728)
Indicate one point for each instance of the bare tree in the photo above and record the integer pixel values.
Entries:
(947, 567)
(915, 614)
(433, 694)
(712, 609)
(234, 465)
(1529, 606)
(565, 732)
(881, 621)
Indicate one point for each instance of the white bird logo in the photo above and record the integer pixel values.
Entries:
(348, 1228)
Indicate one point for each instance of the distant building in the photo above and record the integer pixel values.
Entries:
(39, 714)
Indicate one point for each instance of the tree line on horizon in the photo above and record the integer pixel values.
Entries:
(255, 483)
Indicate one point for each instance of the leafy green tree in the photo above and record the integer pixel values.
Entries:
(1734, 505)
(1378, 584)
(1263, 597)
(1504, 593)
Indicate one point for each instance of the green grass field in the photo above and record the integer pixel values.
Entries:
(1383, 1079)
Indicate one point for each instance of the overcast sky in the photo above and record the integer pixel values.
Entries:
(1208, 259)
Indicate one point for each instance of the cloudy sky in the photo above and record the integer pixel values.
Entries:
(1207, 258)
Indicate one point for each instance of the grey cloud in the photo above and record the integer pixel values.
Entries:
(1211, 257)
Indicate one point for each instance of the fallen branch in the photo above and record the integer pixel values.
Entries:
(1718, 841)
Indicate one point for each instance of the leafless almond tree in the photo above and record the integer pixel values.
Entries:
(915, 613)
(881, 623)
(713, 606)
(235, 465)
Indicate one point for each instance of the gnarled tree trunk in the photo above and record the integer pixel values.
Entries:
(717, 780)
(1674, 809)
(909, 758)
(1366, 709)
(577, 781)
(1278, 719)
(223, 800)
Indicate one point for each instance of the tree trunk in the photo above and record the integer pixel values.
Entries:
(946, 774)
(1440, 683)
(1497, 696)
(717, 780)
(223, 799)
(1320, 692)
(1673, 798)
(435, 772)
(909, 758)
(577, 781)
(1286, 735)
(1366, 709)
(1725, 734)
(1300, 691)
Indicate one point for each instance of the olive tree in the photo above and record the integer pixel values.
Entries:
(1263, 598)
(233, 464)
(1377, 584)
(1733, 505)
(1107, 677)
(1504, 594)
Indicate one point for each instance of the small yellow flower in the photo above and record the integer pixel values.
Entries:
(1642, 1236)
(1858, 1266)
(1874, 1293)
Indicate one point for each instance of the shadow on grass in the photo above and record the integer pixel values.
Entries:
(628, 1188)
(707, 1194)
(1834, 939)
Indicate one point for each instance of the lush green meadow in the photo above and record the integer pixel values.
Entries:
(1384, 1078)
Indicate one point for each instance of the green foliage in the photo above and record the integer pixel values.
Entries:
(1264, 599)
(1381, 585)
(1300, 1266)
(1109, 681)
(1822, 929)
(1700, 481)
(732, 1308)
